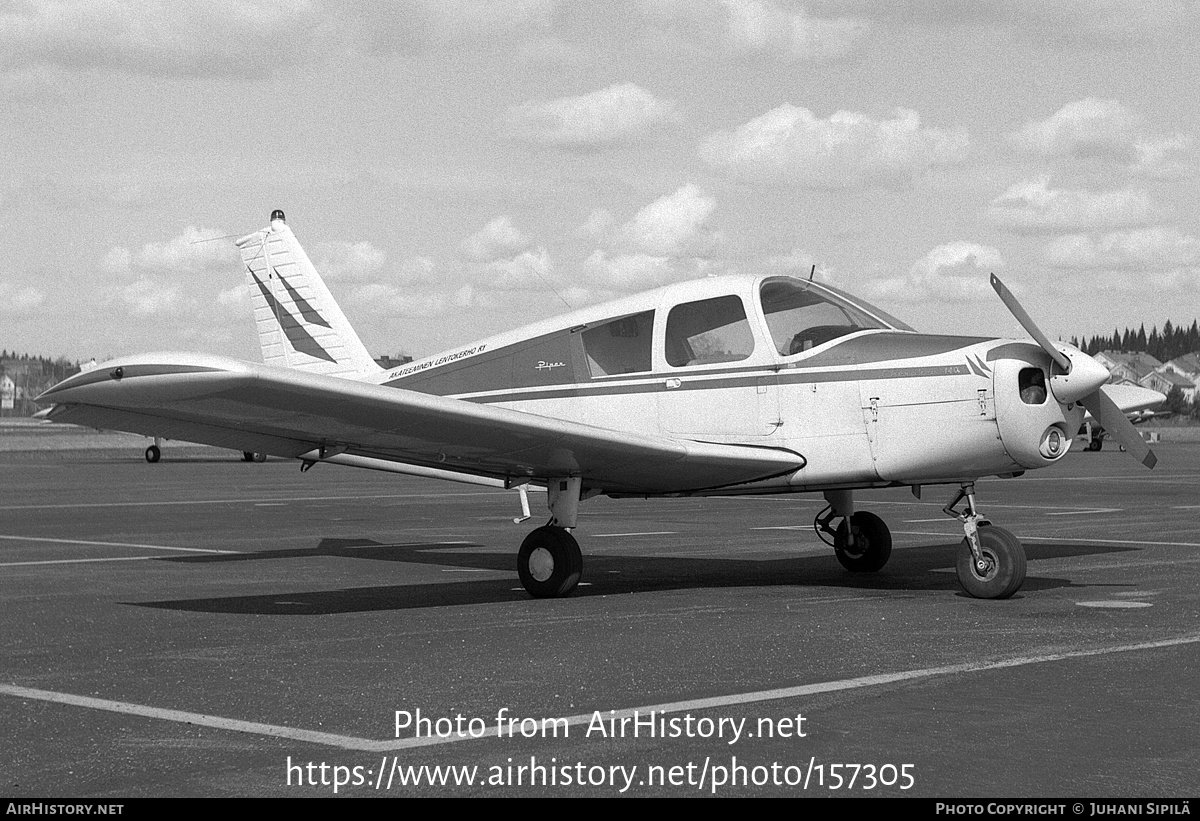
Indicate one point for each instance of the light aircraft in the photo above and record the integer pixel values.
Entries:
(728, 385)
(1138, 404)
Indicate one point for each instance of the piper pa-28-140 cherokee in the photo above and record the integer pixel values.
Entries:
(719, 386)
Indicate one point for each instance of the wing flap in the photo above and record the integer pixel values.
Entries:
(241, 406)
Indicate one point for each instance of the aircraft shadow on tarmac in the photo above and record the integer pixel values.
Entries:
(915, 569)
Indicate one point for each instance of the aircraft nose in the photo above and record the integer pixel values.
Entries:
(1086, 375)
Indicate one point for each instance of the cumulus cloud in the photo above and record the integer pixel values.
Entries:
(498, 239)
(669, 226)
(621, 113)
(1085, 128)
(628, 272)
(530, 270)
(351, 261)
(383, 299)
(149, 297)
(598, 222)
(760, 26)
(193, 251)
(1107, 130)
(17, 301)
(1148, 249)
(953, 272)
(847, 149)
(222, 37)
(1033, 206)
(117, 261)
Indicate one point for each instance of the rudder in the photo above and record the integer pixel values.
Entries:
(300, 324)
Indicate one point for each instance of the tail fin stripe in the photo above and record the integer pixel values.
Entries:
(307, 311)
(301, 340)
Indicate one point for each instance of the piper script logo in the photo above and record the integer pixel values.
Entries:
(543, 365)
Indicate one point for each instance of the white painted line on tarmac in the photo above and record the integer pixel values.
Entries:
(251, 500)
(1025, 537)
(113, 544)
(183, 717)
(1088, 511)
(81, 561)
(784, 527)
(502, 730)
(642, 533)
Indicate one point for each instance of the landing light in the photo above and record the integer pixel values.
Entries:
(1054, 442)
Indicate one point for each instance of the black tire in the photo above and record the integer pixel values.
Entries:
(1096, 443)
(259, 457)
(1006, 565)
(872, 543)
(549, 563)
(153, 454)
(247, 456)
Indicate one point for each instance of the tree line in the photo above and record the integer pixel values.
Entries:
(1169, 343)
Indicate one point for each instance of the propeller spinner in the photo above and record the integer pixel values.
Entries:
(1079, 378)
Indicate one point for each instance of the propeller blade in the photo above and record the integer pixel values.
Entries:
(1031, 328)
(1114, 421)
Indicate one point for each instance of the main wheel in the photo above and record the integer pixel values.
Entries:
(259, 456)
(872, 543)
(1004, 565)
(153, 454)
(549, 562)
(1096, 443)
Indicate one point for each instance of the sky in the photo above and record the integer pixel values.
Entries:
(456, 168)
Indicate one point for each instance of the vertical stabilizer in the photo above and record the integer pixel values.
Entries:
(299, 323)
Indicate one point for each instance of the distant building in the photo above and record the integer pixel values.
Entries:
(1187, 365)
(1164, 381)
(1128, 368)
(1182, 372)
(8, 393)
(387, 362)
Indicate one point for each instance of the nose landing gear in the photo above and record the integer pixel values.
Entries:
(990, 560)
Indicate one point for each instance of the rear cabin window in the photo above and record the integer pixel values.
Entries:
(708, 331)
(620, 346)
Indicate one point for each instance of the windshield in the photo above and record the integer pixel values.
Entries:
(802, 315)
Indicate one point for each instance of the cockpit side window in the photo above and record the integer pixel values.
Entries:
(620, 346)
(708, 331)
(801, 318)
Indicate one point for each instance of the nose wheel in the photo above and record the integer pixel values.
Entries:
(1000, 570)
(990, 561)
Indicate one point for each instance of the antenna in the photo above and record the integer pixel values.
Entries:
(212, 239)
(813, 271)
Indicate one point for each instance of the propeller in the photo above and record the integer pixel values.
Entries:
(1079, 378)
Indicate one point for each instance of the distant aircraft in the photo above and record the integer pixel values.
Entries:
(1138, 403)
(720, 386)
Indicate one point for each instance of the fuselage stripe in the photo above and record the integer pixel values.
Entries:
(703, 381)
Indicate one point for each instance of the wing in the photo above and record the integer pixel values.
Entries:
(241, 406)
(1132, 399)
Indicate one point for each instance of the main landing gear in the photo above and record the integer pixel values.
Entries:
(861, 542)
(990, 561)
(549, 562)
